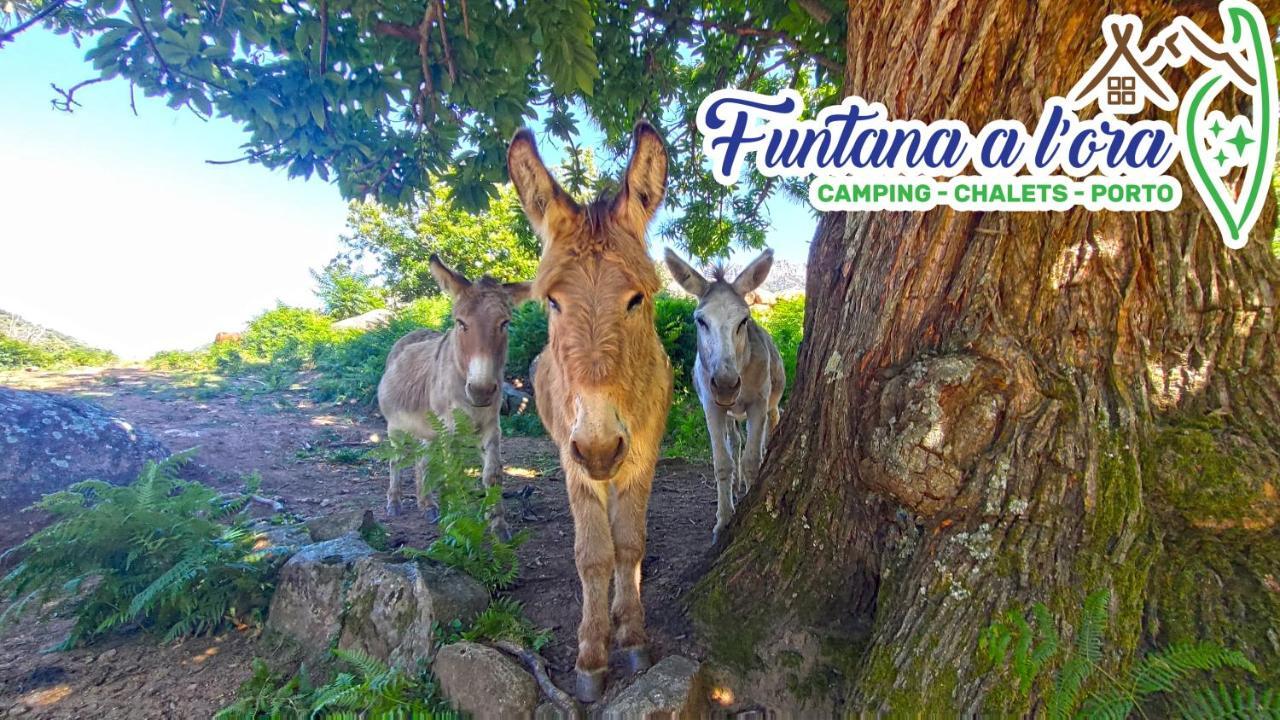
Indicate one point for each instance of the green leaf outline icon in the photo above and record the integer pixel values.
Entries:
(1235, 218)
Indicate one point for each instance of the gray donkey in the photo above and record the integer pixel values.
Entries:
(461, 369)
(738, 374)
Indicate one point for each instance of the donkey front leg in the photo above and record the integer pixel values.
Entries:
(722, 460)
(492, 475)
(393, 491)
(627, 520)
(593, 554)
(753, 452)
(426, 499)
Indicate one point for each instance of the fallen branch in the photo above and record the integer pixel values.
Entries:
(536, 666)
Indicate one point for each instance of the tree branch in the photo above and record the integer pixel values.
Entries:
(68, 96)
(141, 22)
(767, 33)
(815, 10)
(44, 12)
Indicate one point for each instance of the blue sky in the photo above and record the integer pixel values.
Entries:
(119, 233)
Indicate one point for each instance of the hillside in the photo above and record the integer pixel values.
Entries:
(17, 327)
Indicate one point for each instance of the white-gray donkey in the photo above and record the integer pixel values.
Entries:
(738, 375)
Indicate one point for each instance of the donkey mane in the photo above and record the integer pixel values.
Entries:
(719, 273)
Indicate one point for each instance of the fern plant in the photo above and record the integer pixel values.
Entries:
(369, 690)
(451, 461)
(504, 619)
(1169, 674)
(161, 553)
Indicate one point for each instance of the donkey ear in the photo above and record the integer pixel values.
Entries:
(753, 275)
(684, 274)
(518, 291)
(645, 181)
(449, 280)
(545, 203)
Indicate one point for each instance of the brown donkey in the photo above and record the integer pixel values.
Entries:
(432, 373)
(603, 383)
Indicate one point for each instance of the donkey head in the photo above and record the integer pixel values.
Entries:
(722, 317)
(598, 283)
(481, 312)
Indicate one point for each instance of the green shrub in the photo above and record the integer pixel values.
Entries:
(161, 553)
(284, 336)
(187, 360)
(673, 317)
(19, 354)
(370, 690)
(686, 427)
(526, 424)
(351, 365)
(526, 337)
(785, 324)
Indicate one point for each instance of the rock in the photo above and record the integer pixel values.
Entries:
(365, 321)
(308, 602)
(329, 527)
(391, 607)
(551, 711)
(515, 401)
(484, 683)
(49, 441)
(672, 688)
(289, 538)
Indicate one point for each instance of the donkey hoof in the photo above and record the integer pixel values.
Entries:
(637, 659)
(393, 508)
(432, 515)
(590, 685)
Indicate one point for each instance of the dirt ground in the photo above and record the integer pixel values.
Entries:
(307, 457)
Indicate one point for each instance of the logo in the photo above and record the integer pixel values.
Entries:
(860, 159)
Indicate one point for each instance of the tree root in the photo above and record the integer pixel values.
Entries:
(534, 662)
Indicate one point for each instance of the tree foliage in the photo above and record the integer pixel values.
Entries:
(344, 292)
(401, 239)
(385, 97)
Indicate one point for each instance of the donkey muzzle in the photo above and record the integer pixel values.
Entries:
(482, 395)
(725, 389)
(601, 457)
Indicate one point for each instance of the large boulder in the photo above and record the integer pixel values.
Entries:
(483, 683)
(674, 688)
(335, 525)
(49, 441)
(391, 607)
(308, 603)
(342, 592)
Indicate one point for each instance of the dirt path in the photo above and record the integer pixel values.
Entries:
(309, 457)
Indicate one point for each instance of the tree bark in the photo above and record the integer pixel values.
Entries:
(993, 409)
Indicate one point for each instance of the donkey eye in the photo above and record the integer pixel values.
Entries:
(461, 324)
(701, 323)
(552, 302)
(742, 325)
(503, 325)
(635, 301)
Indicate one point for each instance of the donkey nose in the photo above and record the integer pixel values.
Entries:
(601, 457)
(482, 395)
(726, 385)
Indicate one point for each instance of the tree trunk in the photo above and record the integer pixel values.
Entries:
(993, 409)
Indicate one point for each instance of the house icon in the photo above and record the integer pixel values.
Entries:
(1125, 77)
